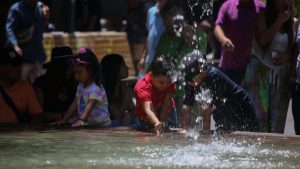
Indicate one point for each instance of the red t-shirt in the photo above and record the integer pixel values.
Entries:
(145, 91)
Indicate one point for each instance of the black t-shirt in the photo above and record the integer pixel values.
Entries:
(58, 96)
(231, 105)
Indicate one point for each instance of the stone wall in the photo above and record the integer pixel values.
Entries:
(101, 43)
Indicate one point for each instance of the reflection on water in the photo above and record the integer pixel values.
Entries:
(129, 149)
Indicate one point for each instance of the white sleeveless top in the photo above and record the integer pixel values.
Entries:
(279, 43)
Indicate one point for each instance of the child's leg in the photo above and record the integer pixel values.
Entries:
(26, 70)
(172, 120)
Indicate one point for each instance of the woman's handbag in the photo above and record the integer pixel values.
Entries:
(25, 35)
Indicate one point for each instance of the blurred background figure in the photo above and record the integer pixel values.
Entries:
(155, 27)
(136, 30)
(56, 89)
(18, 103)
(88, 13)
(24, 29)
(4, 8)
(296, 81)
(233, 30)
(268, 72)
(119, 94)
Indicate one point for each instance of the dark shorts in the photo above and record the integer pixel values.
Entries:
(243, 118)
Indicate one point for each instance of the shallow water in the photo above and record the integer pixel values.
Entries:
(63, 149)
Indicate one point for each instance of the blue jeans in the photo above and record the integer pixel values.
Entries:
(236, 75)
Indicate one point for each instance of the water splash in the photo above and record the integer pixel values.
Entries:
(204, 97)
(215, 153)
(194, 133)
(205, 6)
(99, 149)
(178, 23)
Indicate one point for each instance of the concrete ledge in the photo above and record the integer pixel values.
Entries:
(264, 135)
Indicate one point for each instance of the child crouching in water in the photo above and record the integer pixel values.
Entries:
(90, 102)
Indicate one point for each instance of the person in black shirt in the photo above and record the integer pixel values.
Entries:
(218, 95)
(57, 88)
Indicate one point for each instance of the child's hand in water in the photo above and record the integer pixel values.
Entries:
(158, 128)
(58, 123)
(78, 123)
(183, 131)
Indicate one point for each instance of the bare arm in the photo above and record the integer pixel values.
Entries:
(166, 107)
(186, 115)
(87, 112)
(206, 114)
(45, 14)
(71, 111)
(225, 42)
(265, 35)
(150, 111)
(141, 64)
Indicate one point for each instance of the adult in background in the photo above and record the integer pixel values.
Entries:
(296, 82)
(24, 29)
(233, 29)
(4, 7)
(136, 30)
(18, 103)
(268, 72)
(56, 89)
(156, 28)
(88, 13)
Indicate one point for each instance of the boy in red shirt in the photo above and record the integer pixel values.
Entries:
(154, 96)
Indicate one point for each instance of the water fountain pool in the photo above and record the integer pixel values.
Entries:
(124, 148)
(128, 149)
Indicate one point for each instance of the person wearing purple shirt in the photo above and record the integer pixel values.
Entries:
(234, 30)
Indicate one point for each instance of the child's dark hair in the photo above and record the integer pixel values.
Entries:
(192, 64)
(87, 58)
(172, 7)
(161, 66)
(110, 70)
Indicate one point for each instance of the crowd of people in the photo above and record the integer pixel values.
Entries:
(249, 90)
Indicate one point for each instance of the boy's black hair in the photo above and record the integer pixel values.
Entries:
(161, 67)
(170, 6)
(192, 64)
